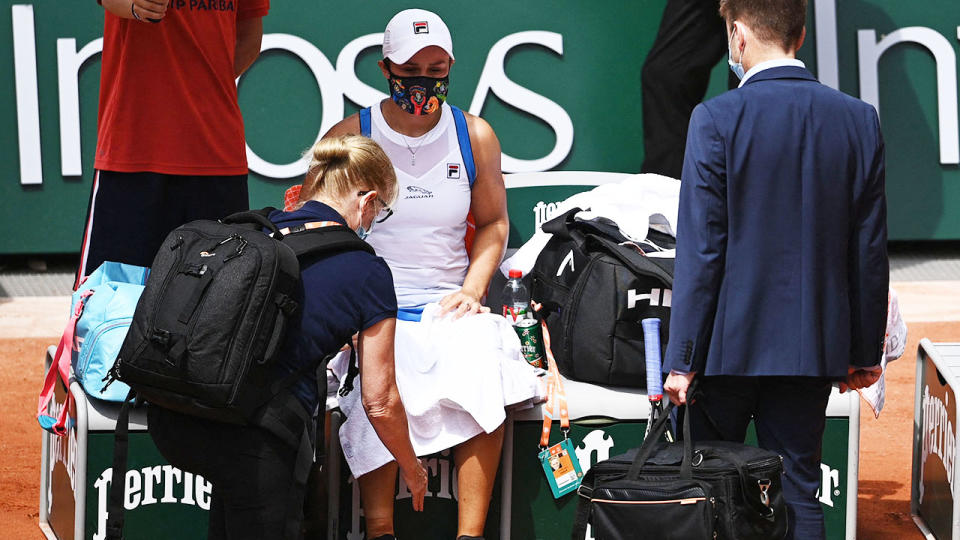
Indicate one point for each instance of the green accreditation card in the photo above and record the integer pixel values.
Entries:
(562, 468)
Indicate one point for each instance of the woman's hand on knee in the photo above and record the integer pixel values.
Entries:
(461, 303)
(416, 479)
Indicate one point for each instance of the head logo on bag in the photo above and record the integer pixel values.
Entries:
(568, 260)
(656, 297)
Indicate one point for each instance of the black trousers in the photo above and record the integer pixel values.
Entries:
(789, 414)
(252, 471)
(130, 214)
(691, 40)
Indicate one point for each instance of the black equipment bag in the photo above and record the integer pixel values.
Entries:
(209, 324)
(684, 491)
(595, 286)
(214, 312)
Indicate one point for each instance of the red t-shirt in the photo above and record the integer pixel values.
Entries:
(168, 101)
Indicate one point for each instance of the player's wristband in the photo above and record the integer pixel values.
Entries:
(134, 12)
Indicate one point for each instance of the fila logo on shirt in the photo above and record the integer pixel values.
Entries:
(421, 27)
(453, 171)
(656, 297)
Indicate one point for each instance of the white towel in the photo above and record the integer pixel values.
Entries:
(894, 344)
(636, 204)
(455, 379)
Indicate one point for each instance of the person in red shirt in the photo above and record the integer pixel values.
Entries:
(170, 141)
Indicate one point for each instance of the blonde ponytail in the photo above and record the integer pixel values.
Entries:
(341, 166)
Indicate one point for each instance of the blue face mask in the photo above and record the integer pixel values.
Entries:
(735, 67)
(363, 232)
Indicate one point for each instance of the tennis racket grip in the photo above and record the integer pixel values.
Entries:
(651, 344)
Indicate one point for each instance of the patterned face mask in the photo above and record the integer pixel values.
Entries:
(419, 95)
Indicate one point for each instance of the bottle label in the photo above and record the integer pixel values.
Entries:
(514, 314)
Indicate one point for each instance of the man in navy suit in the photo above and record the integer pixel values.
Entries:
(781, 279)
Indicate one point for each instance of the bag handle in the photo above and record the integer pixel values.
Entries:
(646, 449)
(561, 225)
(61, 366)
(613, 250)
(255, 216)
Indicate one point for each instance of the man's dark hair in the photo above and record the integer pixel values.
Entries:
(773, 21)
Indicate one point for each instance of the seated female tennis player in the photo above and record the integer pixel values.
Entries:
(457, 365)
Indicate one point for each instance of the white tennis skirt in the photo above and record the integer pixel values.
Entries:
(456, 379)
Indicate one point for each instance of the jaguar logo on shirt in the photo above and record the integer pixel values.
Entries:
(417, 192)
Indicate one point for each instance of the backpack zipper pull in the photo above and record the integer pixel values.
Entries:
(112, 375)
(241, 244)
(764, 496)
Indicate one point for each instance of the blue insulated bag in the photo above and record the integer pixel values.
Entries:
(101, 310)
(103, 325)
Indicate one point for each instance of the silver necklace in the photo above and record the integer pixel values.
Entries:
(413, 151)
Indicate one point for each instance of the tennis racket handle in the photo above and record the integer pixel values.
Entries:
(651, 344)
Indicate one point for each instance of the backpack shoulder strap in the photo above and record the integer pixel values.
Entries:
(328, 239)
(115, 508)
(466, 149)
(585, 501)
(365, 122)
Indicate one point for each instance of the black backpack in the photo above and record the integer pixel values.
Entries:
(595, 286)
(209, 324)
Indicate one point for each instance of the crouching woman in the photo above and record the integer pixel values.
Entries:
(255, 494)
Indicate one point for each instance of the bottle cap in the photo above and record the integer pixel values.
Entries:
(514, 273)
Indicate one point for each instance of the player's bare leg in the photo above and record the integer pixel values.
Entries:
(477, 461)
(377, 493)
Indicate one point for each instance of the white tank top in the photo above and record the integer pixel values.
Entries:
(423, 241)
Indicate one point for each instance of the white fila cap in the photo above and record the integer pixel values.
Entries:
(413, 30)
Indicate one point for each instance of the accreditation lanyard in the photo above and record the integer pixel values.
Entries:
(559, 462)
(309, 226)
(555, 394)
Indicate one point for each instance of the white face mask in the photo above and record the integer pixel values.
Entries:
(735, 67)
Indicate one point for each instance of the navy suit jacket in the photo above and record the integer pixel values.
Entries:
(781, 262)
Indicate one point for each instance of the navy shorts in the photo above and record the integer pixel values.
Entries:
(130, 214)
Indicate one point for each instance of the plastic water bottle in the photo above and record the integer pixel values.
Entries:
(517, 310)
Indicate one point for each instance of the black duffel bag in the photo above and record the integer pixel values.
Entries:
(595, 287)
(684, 491)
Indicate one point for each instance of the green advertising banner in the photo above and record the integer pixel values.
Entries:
(161, 501)
(934, 450)
(559, 81)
